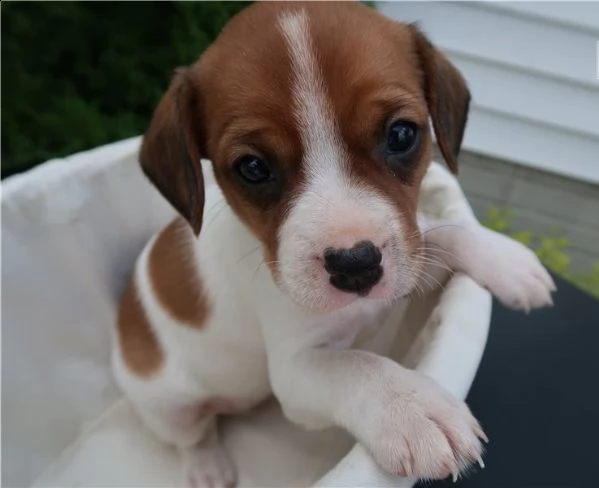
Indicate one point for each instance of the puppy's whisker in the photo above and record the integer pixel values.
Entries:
(215, 204)
(432, 248)
(423, 268)
(434, 263)
(256, 270)
(299, 261)
(425, 255)
(248, 254)
(419, 289)
(215, 216)
(431, 260)
(430, 278)
(442, 226)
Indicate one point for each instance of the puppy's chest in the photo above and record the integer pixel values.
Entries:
(348, 328)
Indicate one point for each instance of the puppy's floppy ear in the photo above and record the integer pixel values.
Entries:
(171, 154)
(447, 96)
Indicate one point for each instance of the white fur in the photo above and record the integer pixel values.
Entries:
(321, 352)
(511, 271)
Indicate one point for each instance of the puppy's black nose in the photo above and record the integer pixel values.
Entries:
(354, 270)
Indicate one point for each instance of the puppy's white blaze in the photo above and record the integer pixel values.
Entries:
(322, 146)
(324, 154)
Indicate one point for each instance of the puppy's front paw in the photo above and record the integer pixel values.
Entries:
(508, 269)
(426, 433)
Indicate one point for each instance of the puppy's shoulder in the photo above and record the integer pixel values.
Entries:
(173, 275)
(165, 290)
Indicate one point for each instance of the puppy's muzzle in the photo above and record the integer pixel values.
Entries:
(354, 270)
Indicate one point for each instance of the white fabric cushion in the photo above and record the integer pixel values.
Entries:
(71, 231)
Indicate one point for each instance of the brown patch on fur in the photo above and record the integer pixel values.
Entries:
(174, 276)
(140, 348)
(171, 151)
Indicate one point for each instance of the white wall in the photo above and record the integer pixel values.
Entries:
(532, 69)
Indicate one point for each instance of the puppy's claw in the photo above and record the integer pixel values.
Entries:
(480, 462)
(547, 280)
(405, 470)
(481, 434)
(454, 477)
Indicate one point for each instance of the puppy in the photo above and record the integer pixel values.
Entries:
(284, 276)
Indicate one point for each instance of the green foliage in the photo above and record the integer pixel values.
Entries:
(80, 74)
(551, 248)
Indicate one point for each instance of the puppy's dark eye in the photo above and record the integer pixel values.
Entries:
(253, 170)
(401, 137)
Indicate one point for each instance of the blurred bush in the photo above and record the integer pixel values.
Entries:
(550, 247)
(80, 74)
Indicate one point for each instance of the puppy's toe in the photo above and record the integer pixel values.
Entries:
(209, 468)
(533, 281)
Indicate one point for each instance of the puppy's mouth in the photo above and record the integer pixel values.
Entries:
(358, 283)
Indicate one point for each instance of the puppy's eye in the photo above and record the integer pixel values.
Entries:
(253, 170)
(401, 137)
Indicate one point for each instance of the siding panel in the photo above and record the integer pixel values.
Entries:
(532, 70)
(584, 16)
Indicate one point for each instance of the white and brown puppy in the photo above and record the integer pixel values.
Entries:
(284, 277)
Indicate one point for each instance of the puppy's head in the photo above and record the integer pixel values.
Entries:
(316, 119)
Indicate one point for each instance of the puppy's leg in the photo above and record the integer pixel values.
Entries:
(172, 405)
(195, 434)
(508, 269)
(410, 425)
(208, 464)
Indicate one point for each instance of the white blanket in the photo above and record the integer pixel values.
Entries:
(71, 231)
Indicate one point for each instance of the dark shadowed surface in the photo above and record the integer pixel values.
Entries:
(537, 396)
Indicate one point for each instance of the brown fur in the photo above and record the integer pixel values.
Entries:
(174, 275)
(237, 99)
(139, 345)
(170, 154)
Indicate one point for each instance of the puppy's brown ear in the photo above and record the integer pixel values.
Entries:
(447, 96)
(171, 154)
